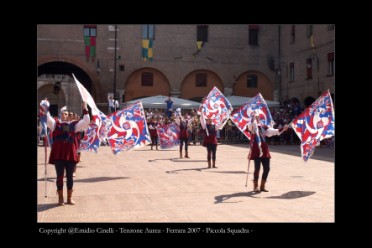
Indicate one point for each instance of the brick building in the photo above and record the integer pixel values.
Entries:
(184, 60)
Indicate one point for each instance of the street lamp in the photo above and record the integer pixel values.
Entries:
(314, 56)
(114, 90)
(281, 63)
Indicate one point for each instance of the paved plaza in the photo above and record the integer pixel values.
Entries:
(146, 185)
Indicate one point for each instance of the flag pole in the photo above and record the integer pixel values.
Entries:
(249, 162)
(45, 163)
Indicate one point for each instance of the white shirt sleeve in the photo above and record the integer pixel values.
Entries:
(271, 132)
(82, 124)
(51, 123)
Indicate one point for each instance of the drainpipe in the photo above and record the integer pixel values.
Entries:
(280, 65)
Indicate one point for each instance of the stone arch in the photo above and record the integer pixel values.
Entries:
(57, 101)
(94, 87)
(134, 89)
(189, 90)
(264, 85)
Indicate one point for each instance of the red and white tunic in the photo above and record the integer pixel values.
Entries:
(265, 132)
(64, 138)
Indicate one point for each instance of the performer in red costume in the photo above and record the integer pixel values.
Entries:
(260, 150)
(64, 149)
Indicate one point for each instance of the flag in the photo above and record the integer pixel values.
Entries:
(90, 46)
(105, 127)
(312, 43)
(91, 139)
(43, 110)
(315, 124)
(128, 129)
(199, 44)
(86, 96)
(168, 135)
(242, 116)
(147, 50)
(90, 40)
(215, 107)
(96, 133)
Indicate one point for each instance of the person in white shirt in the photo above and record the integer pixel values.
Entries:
(111, 104)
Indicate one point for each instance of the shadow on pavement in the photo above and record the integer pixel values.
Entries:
(288, 195)
(50, 179)
(178, 160)
(194, 169)
(44, 207)
(222, 198)
(154, 160)
(149, 150)
(293, 195)
(98, 179)
(232, 172)
(186, 160)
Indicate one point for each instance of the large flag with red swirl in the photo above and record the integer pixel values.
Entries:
(242, 116)
(168, 135)
(128, 129)
(215, 107)
(315, 124)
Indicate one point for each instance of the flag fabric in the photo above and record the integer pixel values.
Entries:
(168, 135)
(90, 39)
(242, 116)
(315, 124)
(91, 140)
(147, 54)
(96, 133)
(215, 107)
(199, 44)
(86, 96)
(90, 46)
(312, 44)
(128, 129)
(105, 127)
(43, 110)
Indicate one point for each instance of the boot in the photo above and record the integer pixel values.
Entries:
(187, 155)
(214, 164)
(180, 154)
(60, 197)
(69, 195)
(262, 187)
(156, 146)
(255, 186)
(209, 164)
